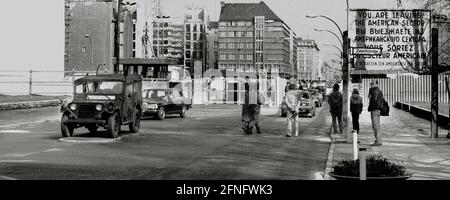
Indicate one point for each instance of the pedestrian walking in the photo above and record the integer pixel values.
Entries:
(370, 90)
(246, 115)
(335, 100)
(292, 106)
(356, 107)
(375, 106)
(255, 109)
(291, 82)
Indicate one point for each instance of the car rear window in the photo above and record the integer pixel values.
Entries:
(156, 93)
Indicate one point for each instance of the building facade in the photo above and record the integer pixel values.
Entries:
(89, 35)
(168, 39)
(308, 59)
(195, 40)
(212, 40)
(252, 38)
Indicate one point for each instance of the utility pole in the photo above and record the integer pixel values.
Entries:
(434, 82)
(117, 38)
(346, 86)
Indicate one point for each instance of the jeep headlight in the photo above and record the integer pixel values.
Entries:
(99, 107)
(73, 107)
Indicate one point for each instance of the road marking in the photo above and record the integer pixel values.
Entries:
(22, 124)
(14, 131)
(21, 155)
(19, 161)
(51, 150)
(7, 178)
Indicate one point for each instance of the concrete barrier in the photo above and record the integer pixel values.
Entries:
(28, 104)
(422, 113)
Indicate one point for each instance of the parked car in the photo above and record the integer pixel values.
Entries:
(317, 97)
(107, 101)
(162, 102)
(307, 104)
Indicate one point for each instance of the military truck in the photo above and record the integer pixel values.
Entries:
(104, 101)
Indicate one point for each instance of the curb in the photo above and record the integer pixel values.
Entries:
(329, 164)
(28, 104)
(96, 140)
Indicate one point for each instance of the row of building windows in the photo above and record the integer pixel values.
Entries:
(235, 24)
(236, 45)
(195, 36)
(195, 54)
(195, 45)
(235, 34)
(195, 28)
(233, 56)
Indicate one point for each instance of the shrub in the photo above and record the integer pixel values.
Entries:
(377, 166)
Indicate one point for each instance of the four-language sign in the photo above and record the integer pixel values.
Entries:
(402, 36)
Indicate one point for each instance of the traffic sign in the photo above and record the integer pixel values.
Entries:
(366, 51)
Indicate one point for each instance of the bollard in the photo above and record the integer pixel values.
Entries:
(355, 144)
(362, 164)
(30, 82)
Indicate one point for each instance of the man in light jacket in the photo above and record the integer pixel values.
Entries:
(292, 107)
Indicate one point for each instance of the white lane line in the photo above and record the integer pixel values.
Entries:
(7, 178)
(53, 149)
(21, 155)
(22, 124)
(14, 131)
(19, 161)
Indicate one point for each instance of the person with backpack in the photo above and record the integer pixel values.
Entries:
(293, 105)
(356, 107)
(376, 105)
(335, 100)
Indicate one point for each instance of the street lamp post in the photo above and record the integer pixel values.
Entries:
(92, 51)
(331, 45)
(345, 73)
(339, 39)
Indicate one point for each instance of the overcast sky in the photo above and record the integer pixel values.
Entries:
(32, 33)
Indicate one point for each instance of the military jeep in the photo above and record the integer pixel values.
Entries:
(107, 101)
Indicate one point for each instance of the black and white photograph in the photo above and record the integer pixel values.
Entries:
(225, 90)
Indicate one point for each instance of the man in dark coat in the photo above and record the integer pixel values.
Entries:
(246, 117)
(375, 106)
(335, 100)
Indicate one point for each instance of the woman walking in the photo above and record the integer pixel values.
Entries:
(356, 107)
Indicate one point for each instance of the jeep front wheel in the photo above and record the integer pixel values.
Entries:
(114, 125)
(183, 113)
(135, 124)
(66, 130)
(161, 113)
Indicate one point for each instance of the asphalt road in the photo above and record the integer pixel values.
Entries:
(208, 144)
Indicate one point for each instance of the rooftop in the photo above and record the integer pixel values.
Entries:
(246, 11)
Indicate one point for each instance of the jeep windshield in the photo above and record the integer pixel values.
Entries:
(101, 88)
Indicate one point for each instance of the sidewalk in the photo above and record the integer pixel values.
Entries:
(27, 101)
(406, 140)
